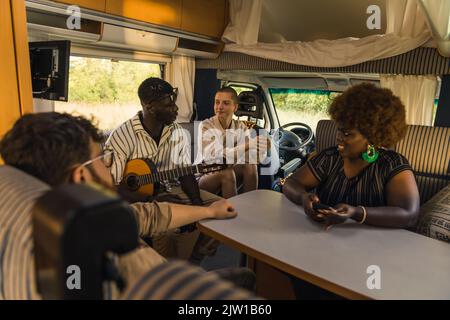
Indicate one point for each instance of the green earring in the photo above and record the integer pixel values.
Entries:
(371, 155)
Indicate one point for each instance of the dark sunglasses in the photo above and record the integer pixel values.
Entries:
(168, 98)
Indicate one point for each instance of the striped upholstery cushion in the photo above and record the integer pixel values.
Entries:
(428, 151)
(19, 191)
(178, 280)
(418, 61)
(434, 218)
(426, 148)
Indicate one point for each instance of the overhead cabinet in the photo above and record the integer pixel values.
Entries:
(161, 12)
(205, 17)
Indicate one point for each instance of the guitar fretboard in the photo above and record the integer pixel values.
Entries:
(169, 175)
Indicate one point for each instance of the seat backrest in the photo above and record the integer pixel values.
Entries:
(250, 105)
(426, 148)
(326, 131)
(19, 192)
(428, 151)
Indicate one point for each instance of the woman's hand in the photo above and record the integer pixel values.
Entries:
(307, 200)
(337, 215)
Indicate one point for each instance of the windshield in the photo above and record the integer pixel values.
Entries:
(300, 105)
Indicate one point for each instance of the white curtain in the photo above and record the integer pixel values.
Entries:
(438, 18)
(245, 16)
(183, 77)
(406, 25)
(405, 18)
(417, 94)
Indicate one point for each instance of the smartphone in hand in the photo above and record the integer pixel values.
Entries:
(318, 206)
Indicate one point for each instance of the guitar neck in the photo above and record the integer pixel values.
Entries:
(170, 174)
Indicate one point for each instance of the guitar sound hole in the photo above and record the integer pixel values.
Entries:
(132, 182)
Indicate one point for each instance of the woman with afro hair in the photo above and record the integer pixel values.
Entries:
(360, 178)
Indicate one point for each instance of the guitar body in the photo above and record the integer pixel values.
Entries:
(133, 170)
(142, 178)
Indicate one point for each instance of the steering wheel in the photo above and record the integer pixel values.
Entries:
(289, 141)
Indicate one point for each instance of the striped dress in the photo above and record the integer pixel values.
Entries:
(365, 189)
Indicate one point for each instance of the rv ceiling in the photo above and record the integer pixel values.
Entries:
(306, 20)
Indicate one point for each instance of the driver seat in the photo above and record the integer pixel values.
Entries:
(252, 106)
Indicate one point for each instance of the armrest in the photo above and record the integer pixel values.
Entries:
(290, 167)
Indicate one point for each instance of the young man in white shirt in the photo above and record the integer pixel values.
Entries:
(223, 136)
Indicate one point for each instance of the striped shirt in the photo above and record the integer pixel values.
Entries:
(218, 143)
(19, 192)
(366, 189)
(131, 141)
(177, 280)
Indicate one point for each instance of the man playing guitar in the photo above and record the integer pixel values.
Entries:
(152, 134)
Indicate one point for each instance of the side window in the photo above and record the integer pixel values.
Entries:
(105, 89)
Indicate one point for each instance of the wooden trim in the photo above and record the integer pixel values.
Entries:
(325, 284)
(22, 56)
(9, 107)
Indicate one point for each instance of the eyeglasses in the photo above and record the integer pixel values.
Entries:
(107, 158)
(167, 98)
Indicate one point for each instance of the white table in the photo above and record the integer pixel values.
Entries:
(274, 230)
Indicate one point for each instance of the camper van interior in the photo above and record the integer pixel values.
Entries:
(225, 149)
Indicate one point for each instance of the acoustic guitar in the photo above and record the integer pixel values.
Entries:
(142, 177)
